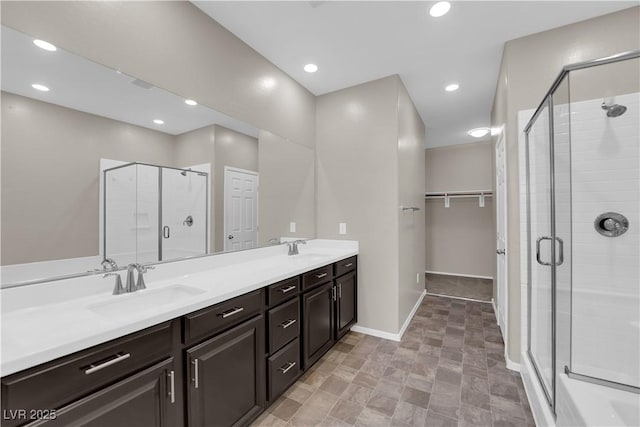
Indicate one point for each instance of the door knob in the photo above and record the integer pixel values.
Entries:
(230, 236)
(500, 251)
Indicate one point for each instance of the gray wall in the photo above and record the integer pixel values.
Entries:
(529, 66)
(364, 135)
(461, 238)
(287, 181)
(411, 238)
(50, 175)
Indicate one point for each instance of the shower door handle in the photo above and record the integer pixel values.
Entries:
(540, 239)
(561, 251)
(166, 232)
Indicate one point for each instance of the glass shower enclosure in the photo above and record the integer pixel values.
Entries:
(583, 234)
(154, 213)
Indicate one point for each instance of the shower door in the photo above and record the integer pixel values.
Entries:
(184, 222)
(541, 345)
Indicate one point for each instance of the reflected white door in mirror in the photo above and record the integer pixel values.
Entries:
(241, 209)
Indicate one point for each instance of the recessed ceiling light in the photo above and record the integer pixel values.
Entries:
(311, 68)
(45, 45)
(452, 87)
(40, 87)
(479, 132)
(190, 102)
(158, 122)
(439, 9)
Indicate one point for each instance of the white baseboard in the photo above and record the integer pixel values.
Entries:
(389, 335)
(461, 298)
(510, 363)
(495, 309)
(473, 276)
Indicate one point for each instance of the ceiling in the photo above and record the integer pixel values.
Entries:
(357, 41)
(83, 85)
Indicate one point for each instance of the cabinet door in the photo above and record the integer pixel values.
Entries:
(346, 304)
(226, 377)
(145, 399)
(318, 322)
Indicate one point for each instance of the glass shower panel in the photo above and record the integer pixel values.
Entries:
(147, 213)
(605, 176)
(541, 251)
(184, 218)
(120, 214)
(562, 214)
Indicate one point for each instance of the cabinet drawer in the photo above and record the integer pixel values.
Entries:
(282, 291)
(208, 321)
(284, 369)
(345, 266)
(317, 276)
(284, 324)
(62, 381)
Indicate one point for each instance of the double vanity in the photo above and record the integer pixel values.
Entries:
(212, 341)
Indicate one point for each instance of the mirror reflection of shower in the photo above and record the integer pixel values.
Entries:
(144, 207)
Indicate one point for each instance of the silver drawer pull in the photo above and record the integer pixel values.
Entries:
(195, 373)
(287, 289)
(287, 323)
(119, 358)
(172, 386)
(286, 369)
(348, 265)
(321, 275)
(231, 312)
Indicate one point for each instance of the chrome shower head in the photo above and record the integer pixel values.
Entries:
(184, 172)
(614, 110)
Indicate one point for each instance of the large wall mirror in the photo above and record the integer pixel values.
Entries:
(98, 164)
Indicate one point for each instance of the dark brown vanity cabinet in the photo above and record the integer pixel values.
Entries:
(346, 303)
(317, 315)
(87, 387)
(226, 378)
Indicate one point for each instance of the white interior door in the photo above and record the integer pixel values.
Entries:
(501, 235)
(240, 209)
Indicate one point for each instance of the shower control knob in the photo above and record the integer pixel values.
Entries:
(610, 224)
(500, 251)
(230, 236)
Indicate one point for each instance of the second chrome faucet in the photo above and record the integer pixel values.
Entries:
(131, 285)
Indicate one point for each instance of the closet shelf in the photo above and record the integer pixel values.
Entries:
(448, 195)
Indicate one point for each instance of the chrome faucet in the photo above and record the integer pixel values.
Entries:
(109, 264)
(141, 270)
(293, 246)
(132, 285)
(117, 289)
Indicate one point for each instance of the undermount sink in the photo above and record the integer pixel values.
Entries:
(145, 300)
(308, 257)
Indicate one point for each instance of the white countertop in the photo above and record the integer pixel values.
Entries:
(43, 322)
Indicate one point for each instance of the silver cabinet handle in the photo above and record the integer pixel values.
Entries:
(348, 265)
(286, 369)
(231, 312)
(117, 359)
(333, 293)
(561, 260)
(287, 289)
(287, 323)
(340, 290)
(195, 373)
(172, 386)
(321, 275)
(540, 239)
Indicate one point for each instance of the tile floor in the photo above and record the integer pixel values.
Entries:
(464, 287)
(448, 370)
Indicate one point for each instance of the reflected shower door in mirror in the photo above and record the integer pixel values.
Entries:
(152, 213)
(55, 146)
